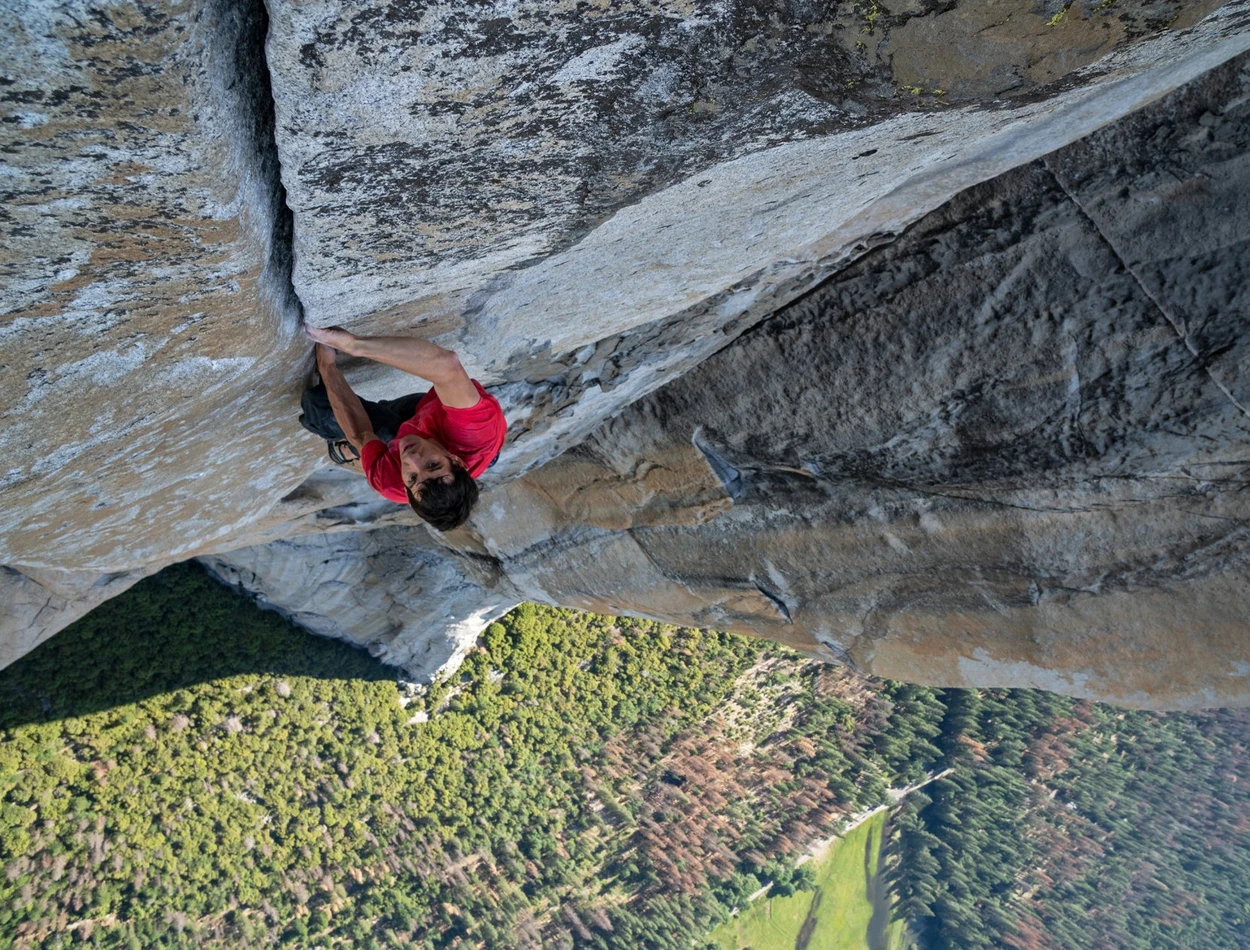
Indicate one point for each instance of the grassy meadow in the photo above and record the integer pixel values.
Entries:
(835, 916)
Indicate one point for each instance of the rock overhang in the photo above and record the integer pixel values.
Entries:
(570, 306)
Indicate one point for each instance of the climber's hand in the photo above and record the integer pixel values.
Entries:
(335, 337)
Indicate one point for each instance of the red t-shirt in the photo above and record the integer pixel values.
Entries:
(475, 434)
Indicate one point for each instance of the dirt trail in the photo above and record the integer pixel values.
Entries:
(818, 849)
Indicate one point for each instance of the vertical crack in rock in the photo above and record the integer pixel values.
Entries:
(248, 93)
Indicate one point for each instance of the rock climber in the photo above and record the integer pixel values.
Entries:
(425, 449)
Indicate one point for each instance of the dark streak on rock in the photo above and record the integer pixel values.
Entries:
(253, 90)
(782, 607)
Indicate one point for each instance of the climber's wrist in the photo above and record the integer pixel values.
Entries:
(324, 356)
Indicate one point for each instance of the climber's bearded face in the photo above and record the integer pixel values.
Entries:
(423, 460)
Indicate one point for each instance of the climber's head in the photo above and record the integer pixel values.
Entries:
(440, 489)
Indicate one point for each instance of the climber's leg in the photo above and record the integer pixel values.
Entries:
(316, 415)
(318, 418)
(386, 416)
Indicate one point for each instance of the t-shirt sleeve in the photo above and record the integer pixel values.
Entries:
(382, 471)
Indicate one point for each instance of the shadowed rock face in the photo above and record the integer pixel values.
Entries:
(960, 445)
(1009, 448)
(38, 603)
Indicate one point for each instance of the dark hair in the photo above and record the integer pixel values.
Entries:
(446, 506)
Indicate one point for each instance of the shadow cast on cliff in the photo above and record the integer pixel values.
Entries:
(169, 632)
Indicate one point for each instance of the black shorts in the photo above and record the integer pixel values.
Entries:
(386, 416)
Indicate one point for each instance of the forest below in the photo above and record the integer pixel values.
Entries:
(182, 769)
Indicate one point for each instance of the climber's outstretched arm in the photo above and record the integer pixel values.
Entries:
(412, 355)
(349, 411)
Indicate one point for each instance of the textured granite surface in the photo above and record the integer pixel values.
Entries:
(1007, 448)
(785, 342)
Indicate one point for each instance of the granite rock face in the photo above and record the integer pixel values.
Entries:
(426, 147)
(1007, 448)
(587, 201)
(146, 316)
(761, 371)
(399, 593)
(39, 603)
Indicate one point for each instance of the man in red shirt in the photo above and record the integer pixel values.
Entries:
(425, 449)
